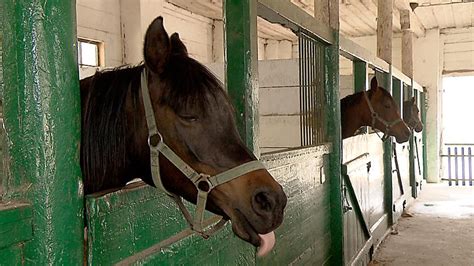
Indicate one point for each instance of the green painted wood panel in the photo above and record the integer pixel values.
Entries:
(305, 232)
(332, 114)
(371, 192)
(15, 224)
(360, 76)
(398, 93)
(240, 38)
(423, 110)
(404, 168)
(355, 237)
(132, 220)
(12, 255)
(224, 248)
(41, 105)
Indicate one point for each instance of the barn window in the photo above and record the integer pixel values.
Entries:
(90, 53)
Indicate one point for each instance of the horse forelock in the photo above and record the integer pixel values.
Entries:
(191, 87)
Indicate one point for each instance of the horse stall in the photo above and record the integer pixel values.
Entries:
(343, 196)
(140, 225)
(43, 206)
(380, 177)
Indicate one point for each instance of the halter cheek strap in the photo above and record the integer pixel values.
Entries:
(204, 183)
(375, 116)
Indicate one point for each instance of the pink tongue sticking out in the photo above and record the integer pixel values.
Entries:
(267, 241)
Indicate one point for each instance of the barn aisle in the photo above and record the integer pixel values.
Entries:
(440, 232)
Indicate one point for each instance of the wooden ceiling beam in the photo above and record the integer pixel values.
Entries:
(416, 25)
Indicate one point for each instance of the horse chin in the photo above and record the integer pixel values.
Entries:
(253, 232)
(243, 229)
(243, 225)
(402, 140)
(419, 128)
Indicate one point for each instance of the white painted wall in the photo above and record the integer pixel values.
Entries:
(195, 31)
(278, 102)
(100, 21)
(458, 51)
(428, 62)
(370, 43)
(121, 25)
(276, 49)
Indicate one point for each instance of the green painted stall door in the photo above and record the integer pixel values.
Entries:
(140, 225)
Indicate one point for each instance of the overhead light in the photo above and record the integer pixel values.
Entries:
(413, 6)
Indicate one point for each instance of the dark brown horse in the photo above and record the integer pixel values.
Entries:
(411, 115)
(375, 108)
(195, 119)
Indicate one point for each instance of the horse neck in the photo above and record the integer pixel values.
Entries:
(355, 113)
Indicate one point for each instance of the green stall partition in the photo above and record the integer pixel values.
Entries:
(139, 225)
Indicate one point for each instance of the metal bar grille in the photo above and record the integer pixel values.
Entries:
(459, 155)
(311, 79)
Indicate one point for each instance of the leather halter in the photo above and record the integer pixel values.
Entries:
(375, 116)
(204, 183)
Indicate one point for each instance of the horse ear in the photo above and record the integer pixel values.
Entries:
(373, 84)
(413, 100)
(177, 46)
(157, 46)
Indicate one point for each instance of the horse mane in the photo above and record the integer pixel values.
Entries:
(105, 154)
(104, 125)
(351, 99)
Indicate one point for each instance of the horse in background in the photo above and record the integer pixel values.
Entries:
(375, 108)
(193, 118)
(411, 115)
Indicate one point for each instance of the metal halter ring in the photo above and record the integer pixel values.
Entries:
(203, 184)
(152, 137)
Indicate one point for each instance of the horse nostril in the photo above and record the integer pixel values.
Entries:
(264, 201)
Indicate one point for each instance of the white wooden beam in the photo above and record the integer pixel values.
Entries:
(417, 27)
(327, 11)
(407, 43)
(384, 29)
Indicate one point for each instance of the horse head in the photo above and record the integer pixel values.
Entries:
(411, 115)
(385, 114)
(196, 120)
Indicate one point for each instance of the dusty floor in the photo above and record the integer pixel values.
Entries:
(441, 231)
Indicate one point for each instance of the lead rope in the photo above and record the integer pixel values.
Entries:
(375, 116)
(203, 183)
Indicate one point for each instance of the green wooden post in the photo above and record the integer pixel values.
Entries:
(360, 76)
(42, 118)
(423, 109)
(385, 81)
(240, 22)
(333, 134)
(361, 80)
(411, 155)
(398, 93)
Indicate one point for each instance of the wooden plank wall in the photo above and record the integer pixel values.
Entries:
(126, 223)
(369, 189)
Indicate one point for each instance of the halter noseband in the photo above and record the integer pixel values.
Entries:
(375, 116)
(204, 183)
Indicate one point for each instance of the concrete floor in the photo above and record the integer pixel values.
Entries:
(441, 231)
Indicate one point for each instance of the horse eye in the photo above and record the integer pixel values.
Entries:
(387, 105)
(189, 118)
